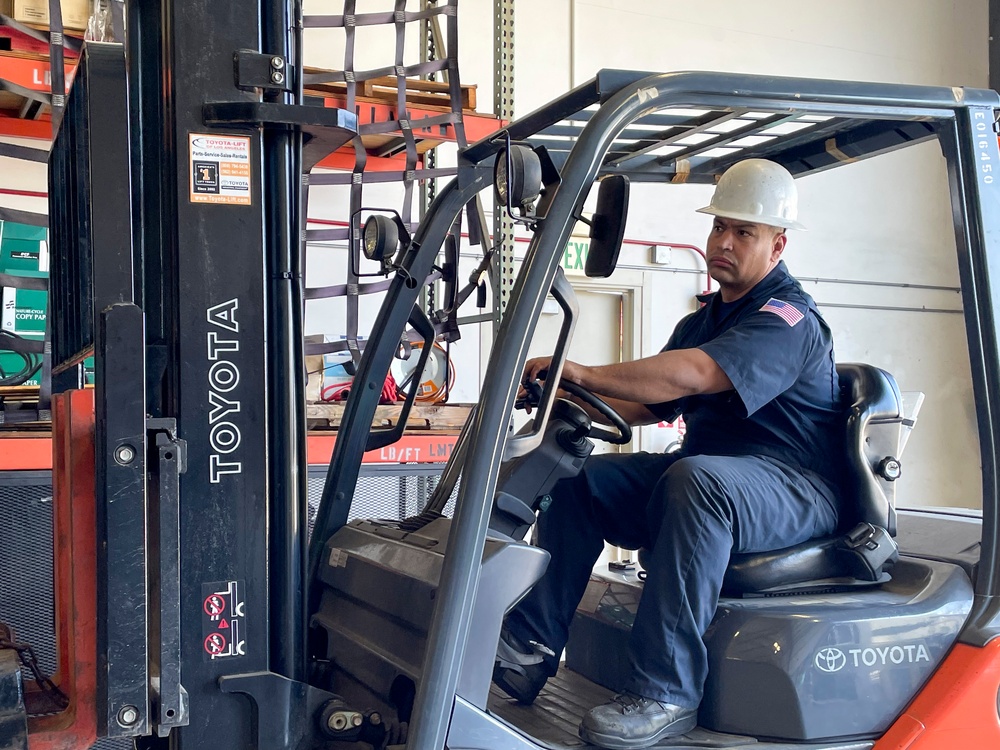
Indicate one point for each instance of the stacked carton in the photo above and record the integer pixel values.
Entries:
(75, 13)
(22, 253)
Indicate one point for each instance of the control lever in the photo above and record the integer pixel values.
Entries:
(532, 395)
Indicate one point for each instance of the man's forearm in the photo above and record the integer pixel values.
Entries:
(663, 377)
(634, 414)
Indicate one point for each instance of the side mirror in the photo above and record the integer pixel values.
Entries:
(607, 227)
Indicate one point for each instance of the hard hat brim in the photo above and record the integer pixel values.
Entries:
(752, 218)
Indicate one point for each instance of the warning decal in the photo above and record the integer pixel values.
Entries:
(220, 169)
(223, 619)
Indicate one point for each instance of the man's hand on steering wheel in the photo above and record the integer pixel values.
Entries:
(535, 370)
(529, 394)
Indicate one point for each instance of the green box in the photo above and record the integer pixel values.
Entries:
(23, 253)
(23, 311)
(22, 249)
(15, 231)
(20, 256)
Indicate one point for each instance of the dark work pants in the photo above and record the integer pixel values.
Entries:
(692, 512)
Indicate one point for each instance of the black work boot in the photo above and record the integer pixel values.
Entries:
(520, 669)
(631, 721)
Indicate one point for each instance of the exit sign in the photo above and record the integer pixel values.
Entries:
(575, 254)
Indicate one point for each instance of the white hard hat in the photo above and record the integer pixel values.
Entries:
(756, 190)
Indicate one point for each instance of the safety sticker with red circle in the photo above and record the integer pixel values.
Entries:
(223, 617)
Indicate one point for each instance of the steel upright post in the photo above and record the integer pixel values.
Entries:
(286, 371)
(503, 107)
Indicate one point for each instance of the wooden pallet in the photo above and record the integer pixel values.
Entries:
(19, 408)
(383, 90)
(424, 418)
(19, 392)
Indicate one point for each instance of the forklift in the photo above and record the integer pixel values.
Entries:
(194, 610)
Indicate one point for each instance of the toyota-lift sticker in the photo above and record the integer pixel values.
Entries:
(220, 169)
(223, 620)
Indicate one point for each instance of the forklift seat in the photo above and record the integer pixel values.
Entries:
(875, 422)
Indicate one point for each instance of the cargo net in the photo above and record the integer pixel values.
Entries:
(397, 130)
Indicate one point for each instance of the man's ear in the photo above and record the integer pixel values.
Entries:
(778, 247)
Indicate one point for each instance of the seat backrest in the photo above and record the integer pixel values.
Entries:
(875, 415)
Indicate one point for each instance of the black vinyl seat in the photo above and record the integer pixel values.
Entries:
(874, 418)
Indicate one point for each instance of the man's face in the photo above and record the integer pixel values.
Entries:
(741, 253)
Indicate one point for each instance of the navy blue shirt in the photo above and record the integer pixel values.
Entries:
(777, 350)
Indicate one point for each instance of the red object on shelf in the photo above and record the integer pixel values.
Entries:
(21, 42)
(15, 127)
(30, 73)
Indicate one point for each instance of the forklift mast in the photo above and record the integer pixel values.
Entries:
(192, 246)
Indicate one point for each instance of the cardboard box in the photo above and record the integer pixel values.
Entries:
(75, 13)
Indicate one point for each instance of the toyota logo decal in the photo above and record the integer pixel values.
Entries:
(830, 660)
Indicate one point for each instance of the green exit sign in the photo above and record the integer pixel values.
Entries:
(575, 254)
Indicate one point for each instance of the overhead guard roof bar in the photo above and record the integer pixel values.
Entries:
(866, 119)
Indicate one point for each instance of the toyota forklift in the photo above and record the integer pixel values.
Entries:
(194, 608)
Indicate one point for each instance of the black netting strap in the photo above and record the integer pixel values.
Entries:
(13, 343)
(402, 114)
(344, 290)
(327, 235)
(34, 283)
(24, 153)
(340, 76)
(392, 126)
(369, 19)
(376, 177)
(312, 349)
(23, 217)
(339, 233)
(349, 8)
(454, 82)
(57, 67)
(45, 387)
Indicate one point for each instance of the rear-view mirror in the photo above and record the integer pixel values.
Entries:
(607, 227)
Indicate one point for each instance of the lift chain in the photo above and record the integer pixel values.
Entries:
(55, 699)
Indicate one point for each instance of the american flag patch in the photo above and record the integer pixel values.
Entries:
(783, 310)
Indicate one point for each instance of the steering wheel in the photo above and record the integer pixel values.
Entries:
(622, 433)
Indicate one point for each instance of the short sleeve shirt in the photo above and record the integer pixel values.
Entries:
(777, 351)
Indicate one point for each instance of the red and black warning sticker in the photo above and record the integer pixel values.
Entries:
(223, 620)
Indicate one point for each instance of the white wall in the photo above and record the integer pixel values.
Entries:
(16, 174)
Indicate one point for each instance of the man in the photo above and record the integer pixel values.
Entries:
(753, 374)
